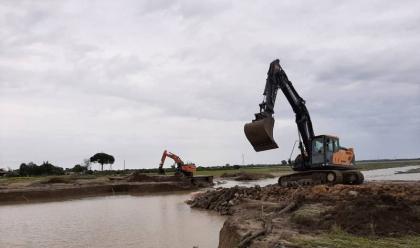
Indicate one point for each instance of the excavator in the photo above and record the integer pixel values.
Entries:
(182, 169)
(322, 160)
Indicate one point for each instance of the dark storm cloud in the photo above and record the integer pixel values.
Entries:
(135, 77)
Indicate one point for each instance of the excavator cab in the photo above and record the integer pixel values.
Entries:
(326, 151)
(259, 133)
(321, 153)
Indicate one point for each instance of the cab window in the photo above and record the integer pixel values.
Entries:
(336, 145)
(318, 146)
(330, 145)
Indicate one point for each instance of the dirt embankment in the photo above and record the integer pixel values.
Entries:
(410, 171)
(274, 216)
(56, 188)
(244, 176)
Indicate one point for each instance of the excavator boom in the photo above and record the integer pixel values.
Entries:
(260, 131)
(182, 168)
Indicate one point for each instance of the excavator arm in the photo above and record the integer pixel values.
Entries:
(165, 154)
(260, 131)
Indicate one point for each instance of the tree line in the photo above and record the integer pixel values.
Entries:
(46, 168)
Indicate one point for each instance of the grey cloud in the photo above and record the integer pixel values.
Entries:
(185, 8)
(136, 77)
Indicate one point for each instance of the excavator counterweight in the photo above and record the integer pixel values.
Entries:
(260, 134)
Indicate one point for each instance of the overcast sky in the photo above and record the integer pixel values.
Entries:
(132, 78)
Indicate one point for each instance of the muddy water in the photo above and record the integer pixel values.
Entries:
(392, 174)
(114, 221)
(372, 175)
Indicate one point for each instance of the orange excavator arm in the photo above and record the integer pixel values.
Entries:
(186, 169)
(165, 154)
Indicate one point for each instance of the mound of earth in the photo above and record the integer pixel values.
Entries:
(52, 180)
(140, 177)
(244, 176)
(272, 215)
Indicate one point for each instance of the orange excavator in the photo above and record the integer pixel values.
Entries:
(182, 169)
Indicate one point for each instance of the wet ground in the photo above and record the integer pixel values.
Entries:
(274, 216)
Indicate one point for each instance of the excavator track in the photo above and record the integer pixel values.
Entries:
(316, 177)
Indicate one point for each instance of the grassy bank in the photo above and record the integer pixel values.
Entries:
(27, 181)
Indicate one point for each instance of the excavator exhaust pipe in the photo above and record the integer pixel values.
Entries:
(260, 134)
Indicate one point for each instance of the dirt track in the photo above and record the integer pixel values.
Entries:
(272, 215)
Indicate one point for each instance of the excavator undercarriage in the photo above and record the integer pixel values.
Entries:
(315, 177)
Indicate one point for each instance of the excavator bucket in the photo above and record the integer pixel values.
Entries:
(260, 134)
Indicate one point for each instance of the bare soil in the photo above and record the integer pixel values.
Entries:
(274, 216)
(244, 176)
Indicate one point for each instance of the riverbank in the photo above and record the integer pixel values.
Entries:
(379, 214)
(61, 188)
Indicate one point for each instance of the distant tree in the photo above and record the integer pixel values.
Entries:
(23, 169)
(236, 167)
(79, 168)
(86, 163)
(283, 162)
(102, 158)
(46, 168)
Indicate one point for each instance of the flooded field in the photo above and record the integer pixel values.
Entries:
(392, 174)
(371, 175)
(160, 220)
(114, 221)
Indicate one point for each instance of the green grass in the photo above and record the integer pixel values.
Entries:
(340, 239)
(11, 180)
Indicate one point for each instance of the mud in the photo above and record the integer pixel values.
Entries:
(273, 215)
(139, 177)
(243, 176)
(61, 188)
